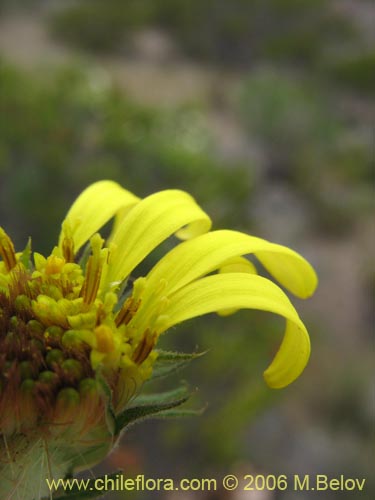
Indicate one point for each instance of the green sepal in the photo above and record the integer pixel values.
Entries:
(25, 257)
(181, 413)
(170, 362)
(78, 494)
(162, 397)
(164, 402)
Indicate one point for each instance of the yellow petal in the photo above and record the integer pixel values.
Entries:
(93, 208)
(237, 290)
(235, 265)
(193, 259)
(290, 269)
(149, 223)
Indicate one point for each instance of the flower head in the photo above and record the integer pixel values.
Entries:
(77, 342)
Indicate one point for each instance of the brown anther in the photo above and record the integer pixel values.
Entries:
(91, 284)
(7, 251)
(145, 346)
(68, 249)
(127, 311)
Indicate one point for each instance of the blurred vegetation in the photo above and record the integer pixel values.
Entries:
(310, 145)
(356, 72)
(6, 5)
(315, 54)
(240, 31)
(68, 130)
(230, 385)
(101, 26)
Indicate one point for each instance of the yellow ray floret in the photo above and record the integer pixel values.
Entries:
(195, 258)
(176, 288)
(239, 290)
(93, 208)
(149, 223)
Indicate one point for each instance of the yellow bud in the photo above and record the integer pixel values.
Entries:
(104, 339)
(54, 265)
(96, 358)
(83, 320)
(48, 311)
(39, 261)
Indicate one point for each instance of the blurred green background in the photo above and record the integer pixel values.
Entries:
(263, 111)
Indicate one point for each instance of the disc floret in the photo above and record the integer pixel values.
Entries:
(61, 338)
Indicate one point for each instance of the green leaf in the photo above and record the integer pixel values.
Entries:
(181, 413)
(162, 397)
(171, 362)
(137, 413)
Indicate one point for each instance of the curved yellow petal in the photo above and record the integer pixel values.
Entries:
(149, 223)
(237, 290)
(290, 269)
(93, 208)
(235, 265)
(192, 259)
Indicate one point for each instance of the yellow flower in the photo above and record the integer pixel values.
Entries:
(77, 341)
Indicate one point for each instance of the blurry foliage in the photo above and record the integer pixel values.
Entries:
(356, 72)
(239, 31)
(59, 134)
(230, 386)
(294, 118)
(281, 112)
(9, 5)
(101, 26)
(309, 145)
